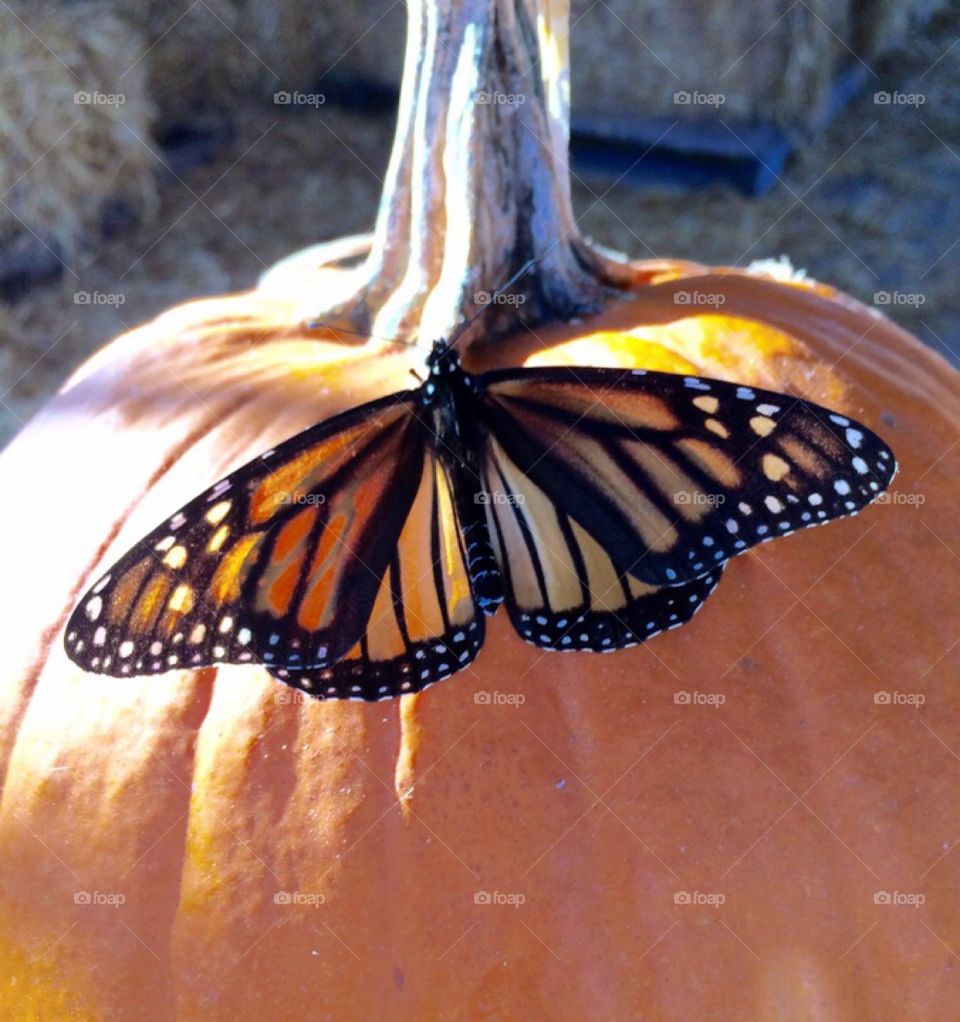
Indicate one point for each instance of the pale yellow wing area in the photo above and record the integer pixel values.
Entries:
(563, 591)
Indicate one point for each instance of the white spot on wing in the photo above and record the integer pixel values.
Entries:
(219, 489)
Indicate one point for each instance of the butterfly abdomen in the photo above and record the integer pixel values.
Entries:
(482, 567)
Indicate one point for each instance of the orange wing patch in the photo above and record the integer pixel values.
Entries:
(125, 591)
(305, 473)
(233, 568)
(334, 544)
(603, 404)
(321, 592)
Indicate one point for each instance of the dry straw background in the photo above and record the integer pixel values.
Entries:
(871, 204)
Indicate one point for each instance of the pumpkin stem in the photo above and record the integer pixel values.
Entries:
(478, 182)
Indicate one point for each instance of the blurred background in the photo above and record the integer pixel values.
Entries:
(152, 152)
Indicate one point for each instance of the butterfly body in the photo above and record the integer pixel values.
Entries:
(448, 396)
(360, 558)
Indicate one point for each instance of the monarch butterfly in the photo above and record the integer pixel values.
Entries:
(358, 559)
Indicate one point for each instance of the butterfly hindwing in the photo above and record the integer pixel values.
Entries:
(563, 589)
(229, 577)
(676, 474)
(425, 624)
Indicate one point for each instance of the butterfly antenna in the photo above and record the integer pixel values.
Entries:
(313, 324)
(493, 299)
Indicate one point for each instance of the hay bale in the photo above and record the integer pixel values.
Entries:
(202, 55)
(883, 24)
(74, 103)
(771, 60)
(64, 161)
(762, 61)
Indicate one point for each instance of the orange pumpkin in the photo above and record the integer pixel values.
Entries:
(729, 822)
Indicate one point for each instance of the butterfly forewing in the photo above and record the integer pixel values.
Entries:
(425, 624)
(232, 576)
(674, 475)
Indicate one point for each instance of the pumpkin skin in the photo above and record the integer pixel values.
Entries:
(198, 796)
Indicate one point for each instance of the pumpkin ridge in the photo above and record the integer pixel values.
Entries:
(408, 746)
(48, 636)
(203, 685)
